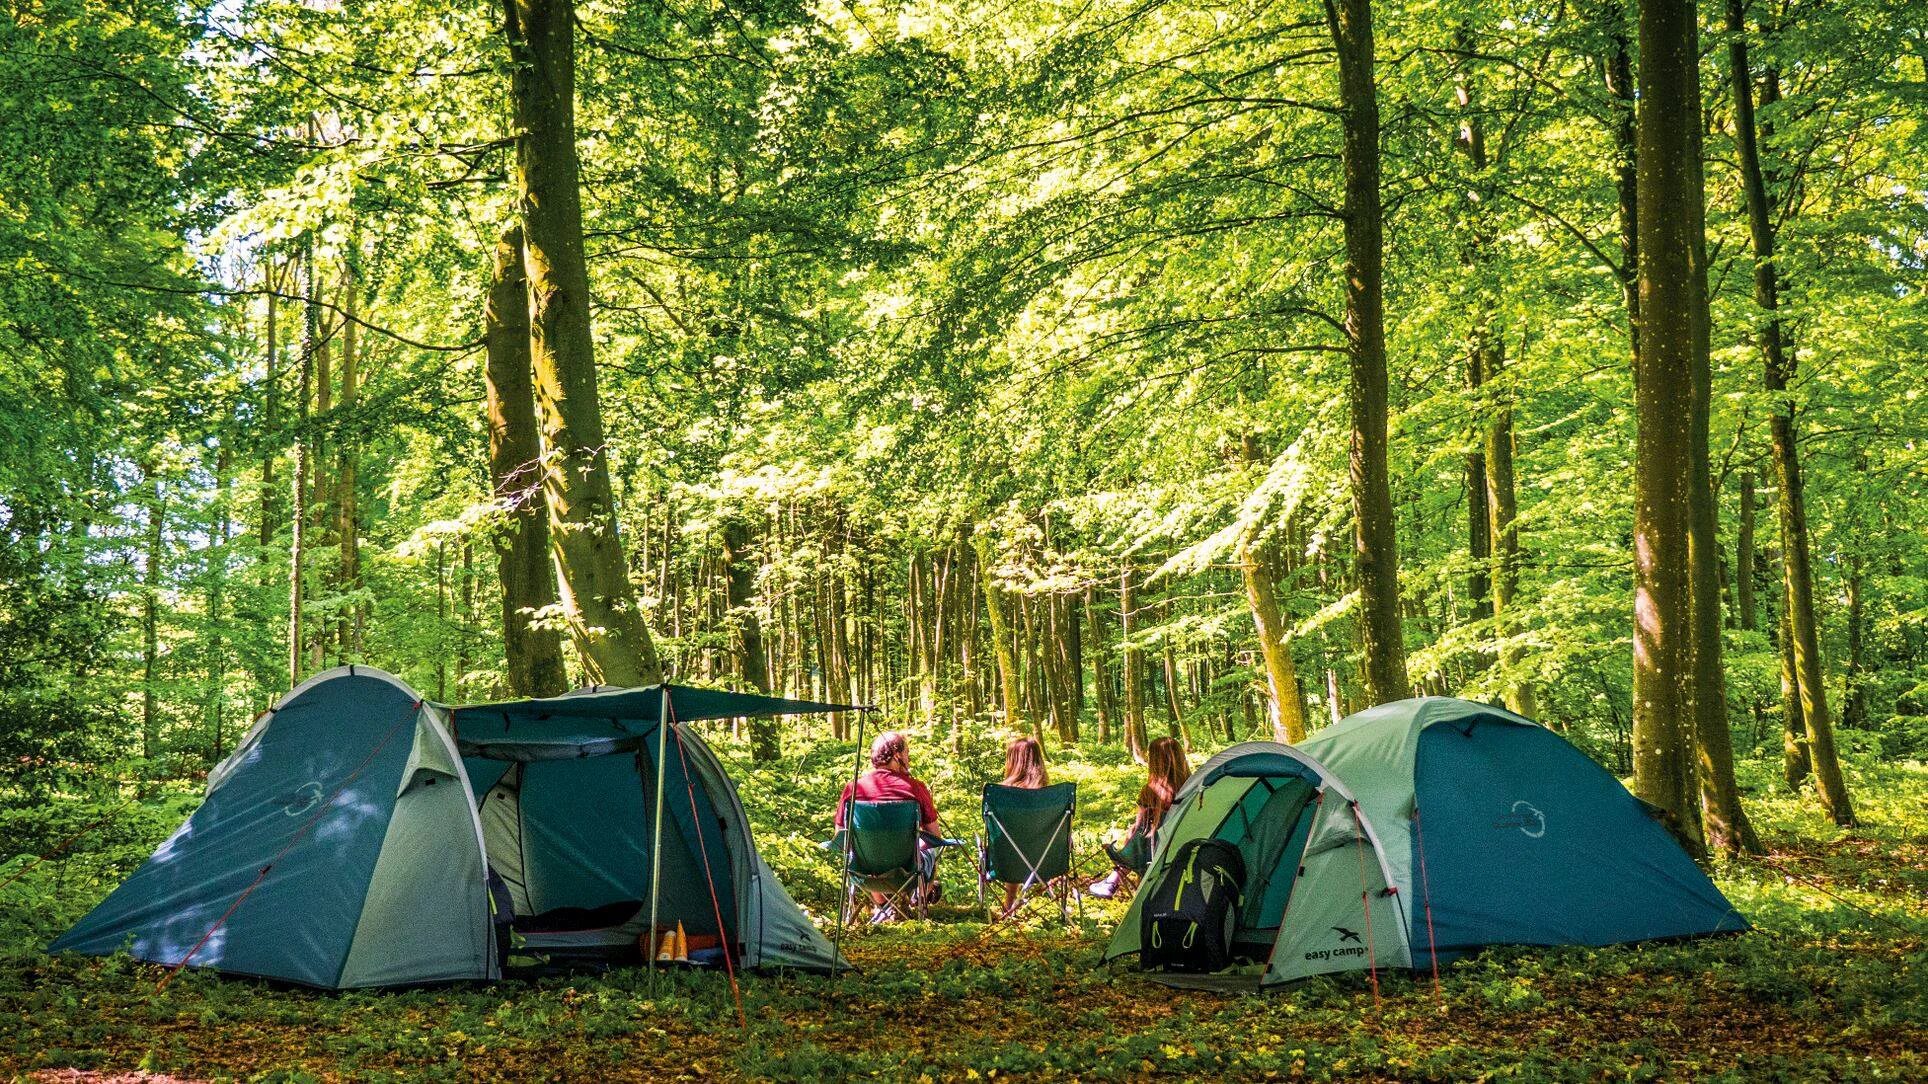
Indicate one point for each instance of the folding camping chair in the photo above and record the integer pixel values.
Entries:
(879, 843)
(1132, 858)
(1027, 841)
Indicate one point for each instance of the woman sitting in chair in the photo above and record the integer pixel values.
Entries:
(1023, 767)
(1167, 770)
(889, 780)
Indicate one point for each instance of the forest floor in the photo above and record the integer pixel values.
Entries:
(1831, 985)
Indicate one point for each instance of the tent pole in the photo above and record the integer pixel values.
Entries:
(849, 848)
(656, 840)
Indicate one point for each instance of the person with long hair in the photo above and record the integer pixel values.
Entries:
(1023, 767)
(1166, 772)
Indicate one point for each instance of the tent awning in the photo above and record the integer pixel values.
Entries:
(601, 719)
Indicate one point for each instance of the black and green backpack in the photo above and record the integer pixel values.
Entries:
(1189, 917)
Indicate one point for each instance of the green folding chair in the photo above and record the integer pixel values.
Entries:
(879, 845)
(1027, 842)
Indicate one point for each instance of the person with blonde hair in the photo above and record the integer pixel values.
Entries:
(1166, 773)
(889, 780)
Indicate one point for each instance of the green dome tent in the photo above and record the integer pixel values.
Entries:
(348, 839)
(1523, 840)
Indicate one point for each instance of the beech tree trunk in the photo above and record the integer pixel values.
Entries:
(1794, 742)
(1375, 546)
(1617, 74)
(1132, 667)
(1744, 556)
(604, 614)
(1672, 311)
(348, 625)
(270, 410)
(1479, 525)
(1007, 663)
(150, 617)
(1723, 822)
(766, 744)
(1779, 365)
(298, 515)
(523, 565)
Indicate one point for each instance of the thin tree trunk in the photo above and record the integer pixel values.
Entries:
(766, 744)
(1100, 667)
(465, 621)
(1007, 664)
(1258, 567)
(1479, 525)
(348, 575)
(1617, 74)
(217, 694)
(1724, 822)
(1779, 365)
(1854, 694)
(1672, 308)
(441, 622)
(1744, 556)
(605, 616)
(1132, 666)
(523, 564)
(1490, 469)
(270, 411)
(1375, 548)
(1795, 764)
(298, 515)
(151, 619)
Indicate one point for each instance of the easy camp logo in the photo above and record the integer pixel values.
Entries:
(1349, 945)
(1523, 816)
(305, 797)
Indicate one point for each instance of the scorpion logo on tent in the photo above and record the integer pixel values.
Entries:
(1532, 822)
(305, 797)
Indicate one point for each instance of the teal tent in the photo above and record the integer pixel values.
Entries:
(352, 837)
(1417, 831)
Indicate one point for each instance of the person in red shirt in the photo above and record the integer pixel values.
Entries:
(889, 780)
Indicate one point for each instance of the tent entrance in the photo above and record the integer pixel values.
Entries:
(571, 840)
(1268, 824)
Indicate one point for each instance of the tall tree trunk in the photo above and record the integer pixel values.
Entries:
(1744, 556)
(1779, 365)
(1007, 663)
(1724, 822)
(441, 621)
(766, 744)
(465, 621)
(151, 619)
(1131, 666)
(1258, 566)
(1795, 764)
(217, 693)
(1100, 665)
(1672, 308)
(523, 566)
(605, 617)
(1854, 693)
(347, 511)
(298, 515)
(1375, 547)
(1617, 74)
(1479, 526)
(270, 409)
(1503, 505)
